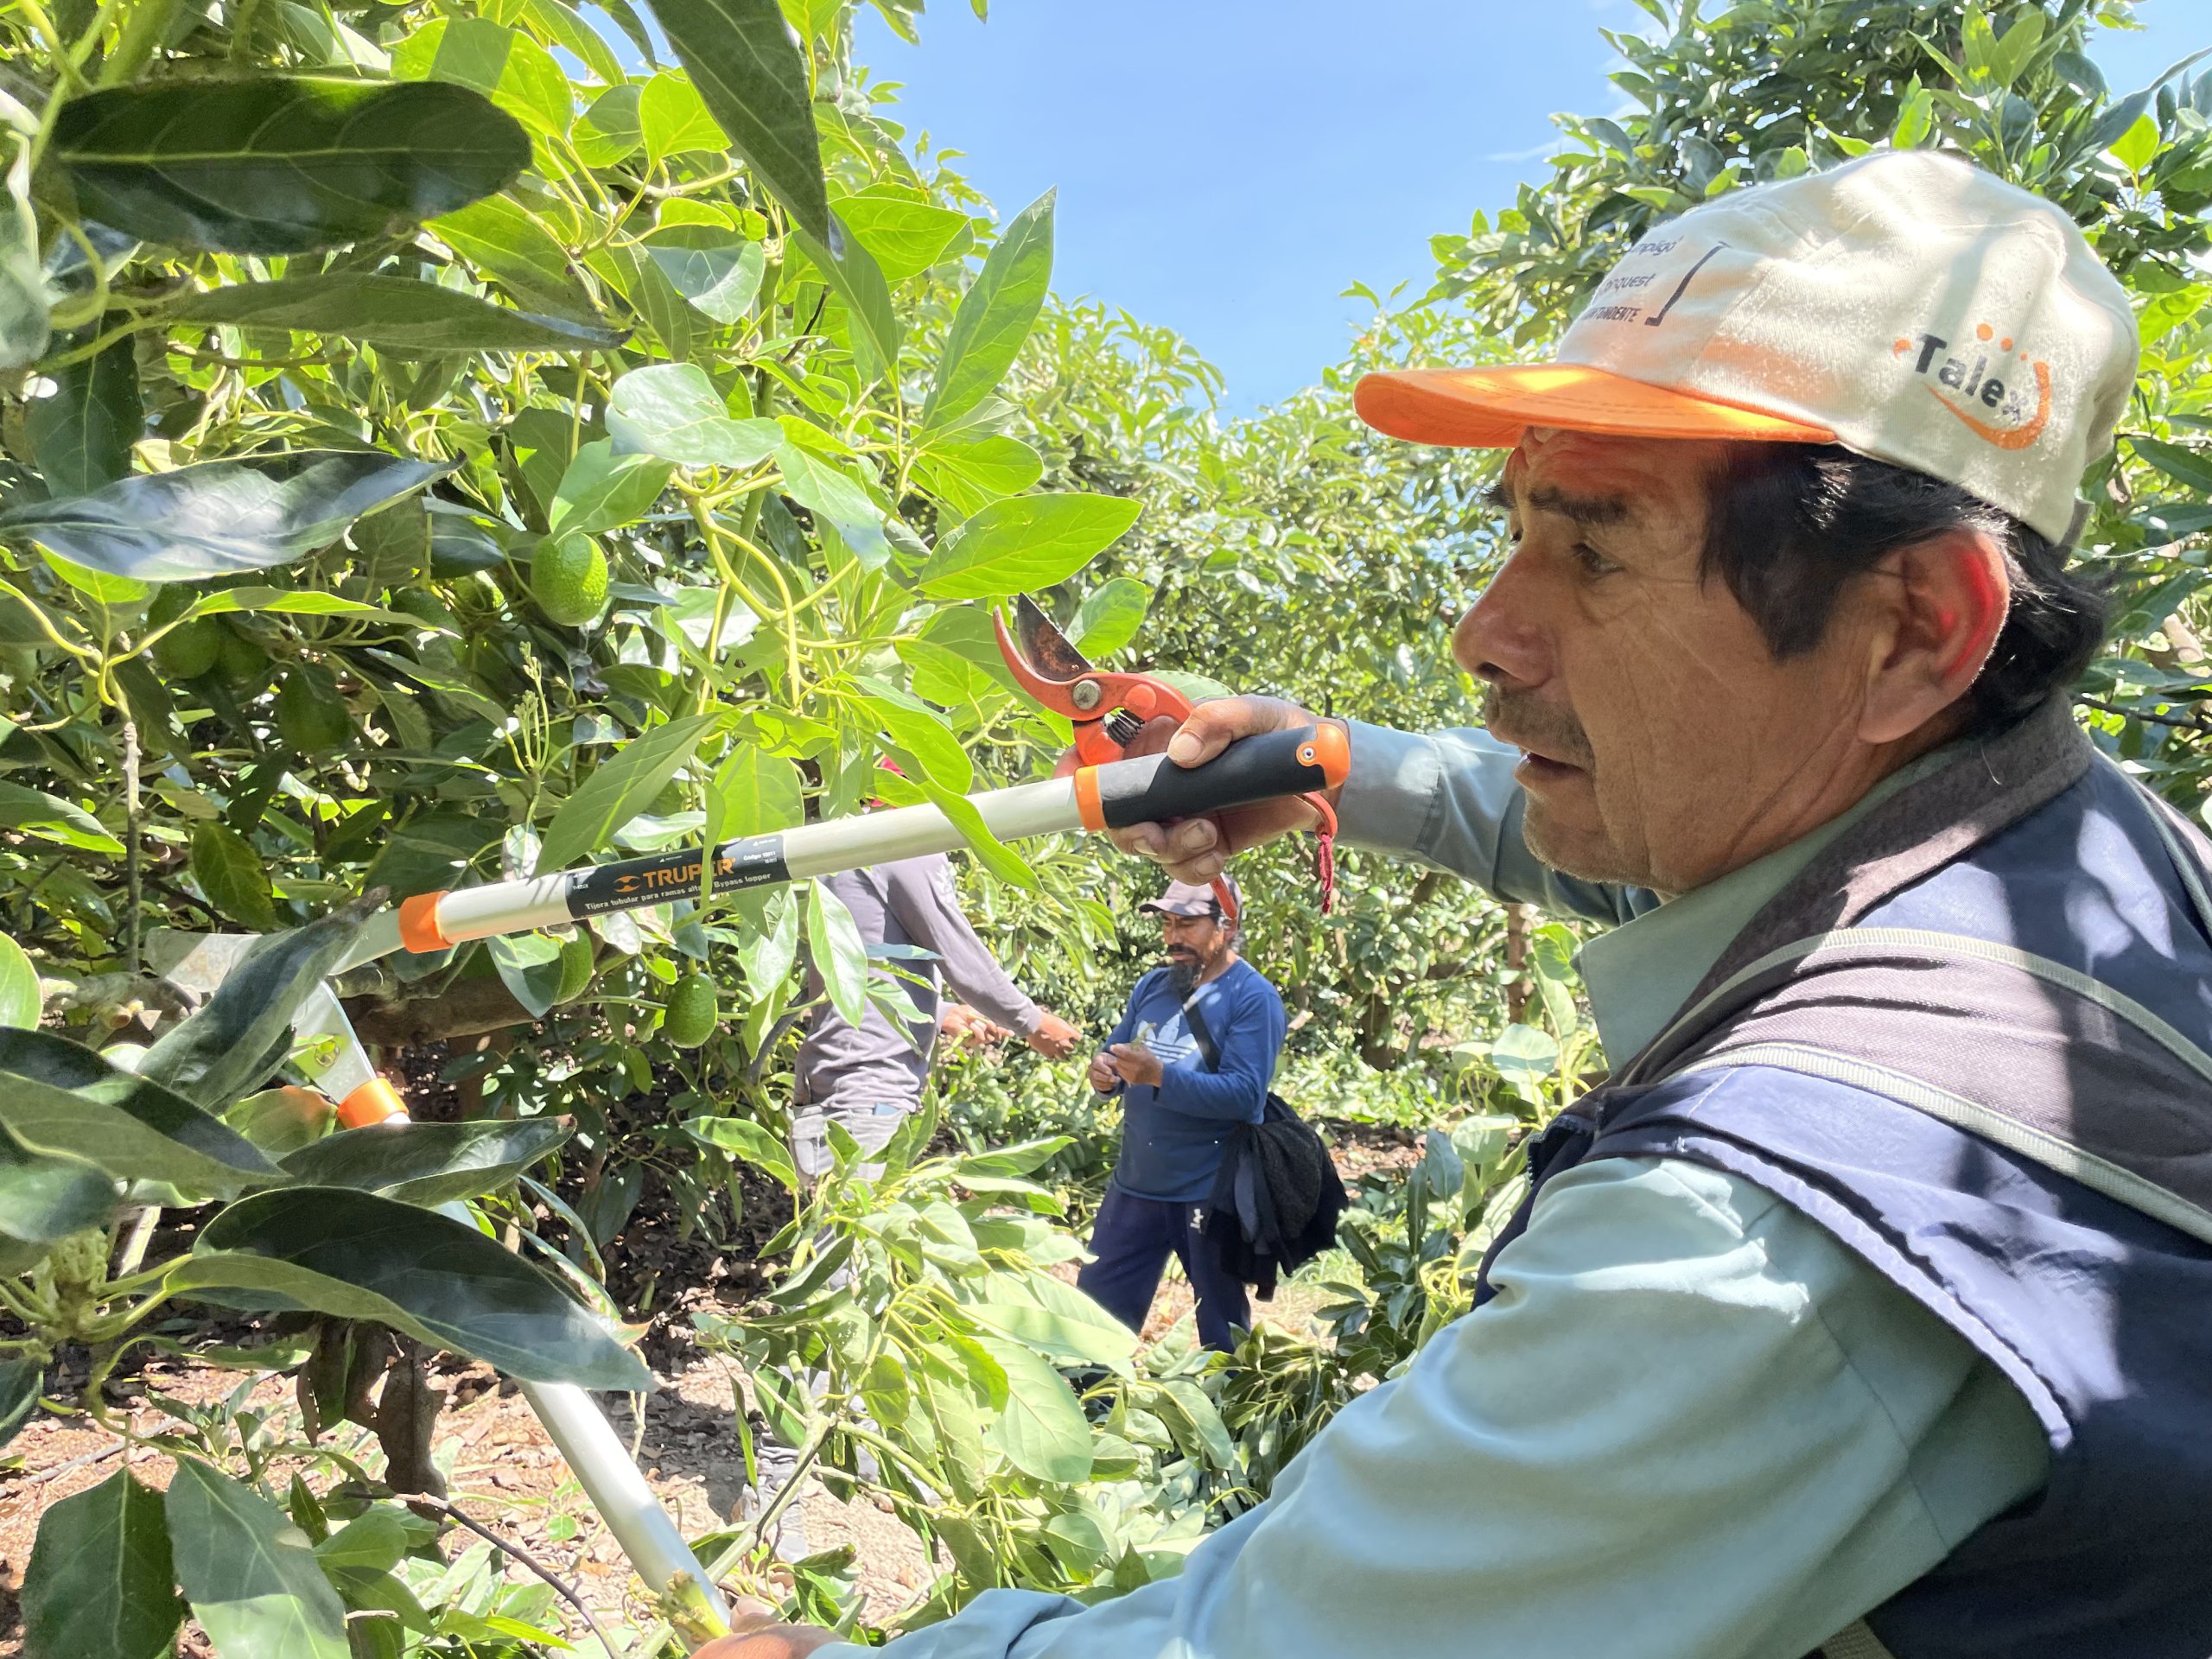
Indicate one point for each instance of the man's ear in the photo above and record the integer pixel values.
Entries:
(1938, 616)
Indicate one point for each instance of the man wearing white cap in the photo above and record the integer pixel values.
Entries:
(1866, 1307)
(1191, 1058)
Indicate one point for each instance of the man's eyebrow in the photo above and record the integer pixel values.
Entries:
(1589, 511)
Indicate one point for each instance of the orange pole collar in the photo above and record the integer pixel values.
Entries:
(418, 924)
(375, 1101)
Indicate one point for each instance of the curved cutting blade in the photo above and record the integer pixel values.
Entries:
(1050, 654)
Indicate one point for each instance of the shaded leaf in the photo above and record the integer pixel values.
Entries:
(852, 274)
(251, 1574)
(223, 1048)
(743, 1138)
(100, 1584)
(993, 854)
(430, 1164)
(281, 164)
(919, 730)
(80, 437)
(59, 1098)
(398, 316)
(502, 238)
(220, 516)
(21, 1379)
(529, 965)
(751, 75)
(44, 1197)
(360, 1255)
(232, 876)
(1109, 616)
(720, 280)
(24, 328)
(758, 791)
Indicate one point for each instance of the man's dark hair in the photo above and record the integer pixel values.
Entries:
(1791, 522)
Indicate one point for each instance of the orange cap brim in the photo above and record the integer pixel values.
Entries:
(1489, 408)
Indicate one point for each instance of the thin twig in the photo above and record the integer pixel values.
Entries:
(133, 853)
(75, 1463)
(561, 1586)
(2192, 723)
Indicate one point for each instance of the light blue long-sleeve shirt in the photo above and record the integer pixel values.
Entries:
(1691, 1425)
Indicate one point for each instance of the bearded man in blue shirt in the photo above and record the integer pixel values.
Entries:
(1867, 1306)
(1191, 1058)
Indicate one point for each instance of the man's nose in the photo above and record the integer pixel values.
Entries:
(1501, 639)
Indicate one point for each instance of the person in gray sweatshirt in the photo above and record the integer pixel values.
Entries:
(867, 1077)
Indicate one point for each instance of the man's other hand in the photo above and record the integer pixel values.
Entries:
(1136, 1064)
(757, 1633)
(1195, 849)
(961, 1024)
(1054, 1038)
(1103, 1077)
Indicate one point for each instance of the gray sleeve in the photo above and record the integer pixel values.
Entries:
(1448, 799)
(920, 891)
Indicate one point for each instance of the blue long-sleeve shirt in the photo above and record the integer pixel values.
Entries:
(1172, 1134)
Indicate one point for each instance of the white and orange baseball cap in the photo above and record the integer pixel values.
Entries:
(1907, 306)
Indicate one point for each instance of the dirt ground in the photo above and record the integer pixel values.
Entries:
(502, 1471)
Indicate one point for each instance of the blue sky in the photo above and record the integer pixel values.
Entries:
(1229, 167)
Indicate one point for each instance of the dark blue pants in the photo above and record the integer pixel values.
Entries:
(1133, 1238)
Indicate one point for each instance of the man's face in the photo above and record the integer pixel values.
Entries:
(1195, 945)
(1664, 744)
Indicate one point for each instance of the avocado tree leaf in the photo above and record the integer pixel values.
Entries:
(1109, 616)
(20, 1379)
(280, 164)
(743, 1138)
(995, 855)
(220, 516)
(1041, 1429)
(529, 965)
(854, 276)
(44, 1197)
(233, 876)
(603, 489)
(1025, 542)
(24, 327)
(504, 240)
(223, 1048)
(80, 437)
(504, 63)
(921, 731)
(820, 485)
(432, 1163)
(100, 1584)
(20, 999)
(61, 1099)
(834, 941)
(904, 231)
(361, 1256)
(994, 316)
(398, 316)
(720, 279)
(51, 818)
(618, 790)
(973, 472)
(673, 118)
(751, 75)
(672, 411)
(249, 1571)
(758, 793)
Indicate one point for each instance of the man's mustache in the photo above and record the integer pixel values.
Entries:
(1527, 721)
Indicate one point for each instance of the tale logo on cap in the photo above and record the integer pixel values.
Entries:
(1970, 380)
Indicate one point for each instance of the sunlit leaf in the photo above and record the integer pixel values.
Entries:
(672, 411)
(619, 789)
(250, 1573)
(1024, 544)
(994, 316)
(753, 77)
(834, 941)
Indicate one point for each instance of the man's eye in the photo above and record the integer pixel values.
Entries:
(1593, 562)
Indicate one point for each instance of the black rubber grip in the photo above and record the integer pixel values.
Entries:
(1152, 788)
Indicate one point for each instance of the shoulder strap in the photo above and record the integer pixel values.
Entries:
(1209, 1050)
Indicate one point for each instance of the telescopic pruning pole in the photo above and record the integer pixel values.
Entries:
(1111, 796)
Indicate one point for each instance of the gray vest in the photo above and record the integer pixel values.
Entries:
(1975, 1033)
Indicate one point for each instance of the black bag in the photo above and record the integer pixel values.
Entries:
(1276, 1202)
